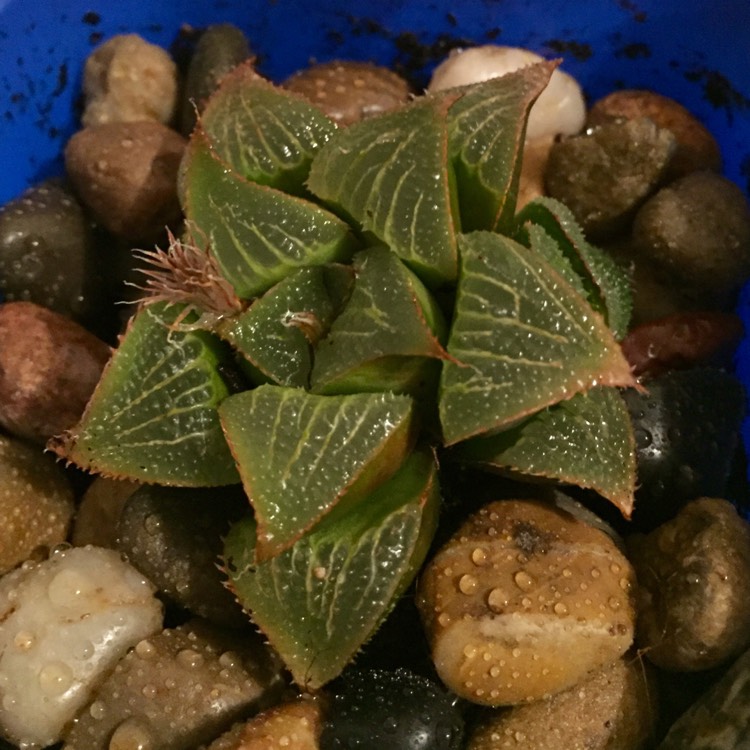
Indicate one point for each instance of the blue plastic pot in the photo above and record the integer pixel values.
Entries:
(693, 50)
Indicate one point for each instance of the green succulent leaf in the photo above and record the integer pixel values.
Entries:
(266, 134)
(256, 233)
(487, 127)
(391, 175)
(605, 283)
(522, 339)
(390, 317)
(320, 601)
(586, 441)
(300, 454)
(277, 333)
(153, 416)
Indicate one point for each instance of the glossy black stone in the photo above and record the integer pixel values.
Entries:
(391, 710)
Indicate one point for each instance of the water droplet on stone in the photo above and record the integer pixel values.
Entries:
(24, 640)
(69, 585)
(497, 599)
(615, 568)
(189, 658)
(132, 734)
(595, 573)
(560, 609)
(467, 584)
(624, 584)
(523, 580)
(567, 572)
(55, 678)
(97, 710)
(152, 523)
(478, 556)
(145, 649)
(229, 659)
(149, 691)
(444, 619)
(614, 603)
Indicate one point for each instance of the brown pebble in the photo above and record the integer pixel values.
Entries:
(49, 366)
(126, 173)
(350, 91)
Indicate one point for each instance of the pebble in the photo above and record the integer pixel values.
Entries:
(36, 502)
(349, 91)
(49, 366)
(46, 251)
(696, 231)
(177, 689)
(614, 709)
(126, 174)
(551, 603)
(64, 623)
(694, 594)
(605, 174)
(127, 79)
(174, 537)
(292, 725)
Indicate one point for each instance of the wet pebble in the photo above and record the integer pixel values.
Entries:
(686, 428)
(391, 709)
(614, 709)
(46, 251)
(178, 689)
(696, 148)
(95, 520)
(694, 593)
(49, 366)
(36, 502)
(524, 601)
(64, 622)
(292, 725)
(605, 174)
(174, 536)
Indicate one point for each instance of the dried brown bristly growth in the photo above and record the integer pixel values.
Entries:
(187, 274)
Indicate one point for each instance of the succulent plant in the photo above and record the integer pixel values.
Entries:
(350, 310)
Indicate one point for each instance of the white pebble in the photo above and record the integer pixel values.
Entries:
(64, 623)
(560, 109)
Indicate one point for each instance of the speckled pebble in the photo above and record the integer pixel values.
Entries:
(350, 91)
(293, 725)
(127, 79)
(605, 174)
(46, 251)
(36, 502)
(178, 689)
(614, 709)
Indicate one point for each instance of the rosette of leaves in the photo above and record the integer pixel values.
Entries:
(346, 306)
